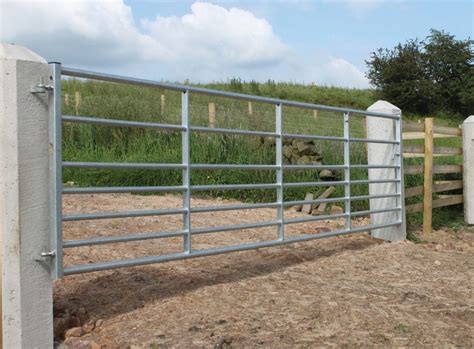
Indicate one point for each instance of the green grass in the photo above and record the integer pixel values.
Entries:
(118, 101)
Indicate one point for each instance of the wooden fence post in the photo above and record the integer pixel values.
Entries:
(212, 115)
(428, 178)
(77, 101)
(162, 104)
(250, 108)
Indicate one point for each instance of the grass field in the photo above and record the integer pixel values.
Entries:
(106, 100)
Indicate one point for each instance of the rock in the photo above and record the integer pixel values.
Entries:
(99, 323)
(315, 160)
(269, 141)
(437, 262)
(297, 208)
(439, 247)
(336, 209)
(304, 160)
(325, 174)
(320, 210)
(307, 207)
(74, 332)
(287, 151)
(89, 326)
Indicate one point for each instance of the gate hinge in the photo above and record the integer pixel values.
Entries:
(46, 254)
(41, 88)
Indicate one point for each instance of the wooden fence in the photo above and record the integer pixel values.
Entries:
(428, 131)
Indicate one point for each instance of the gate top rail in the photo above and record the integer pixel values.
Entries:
(86, 74)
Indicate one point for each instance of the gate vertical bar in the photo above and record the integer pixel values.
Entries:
(185, 137)
(400, 185)
(347, 171)
(55, 173)
(279, 171)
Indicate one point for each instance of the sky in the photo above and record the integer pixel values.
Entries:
(323, 42)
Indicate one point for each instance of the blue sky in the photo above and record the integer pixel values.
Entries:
(323, 42)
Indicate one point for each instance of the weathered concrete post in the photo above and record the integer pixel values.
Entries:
(27, 311)
(384, 154)
(468, 168)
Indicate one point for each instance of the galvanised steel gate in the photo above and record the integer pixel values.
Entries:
(187, 231)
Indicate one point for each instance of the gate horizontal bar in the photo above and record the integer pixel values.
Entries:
(223, 228)
(313, 167)
(313, 184)
(322, 138)
(78, 73)
(368, 181)
(97, 190)
(120, 123)
(233, 207)
(366, 213)
(314, 218)
(125, 214)
(373, 166)
(233, 131)
(368, 197)
(232, 167)
(234, 186)
(367, 140)
(122, 165)
(84, 268)
(124, 238)
(316, 201)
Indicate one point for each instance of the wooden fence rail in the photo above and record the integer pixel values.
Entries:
(428, 131)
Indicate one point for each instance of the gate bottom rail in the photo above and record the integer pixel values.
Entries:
(85, 268)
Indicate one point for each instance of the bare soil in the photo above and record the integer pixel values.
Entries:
(351, 291)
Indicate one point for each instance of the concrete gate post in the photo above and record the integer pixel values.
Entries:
(27, 305)
(468, 168)
(384, 154)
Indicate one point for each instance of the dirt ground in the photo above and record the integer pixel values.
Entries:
(350, 291)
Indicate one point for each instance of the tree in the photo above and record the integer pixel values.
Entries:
(426, 76)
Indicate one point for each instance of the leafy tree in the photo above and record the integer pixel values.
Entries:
(426, 76)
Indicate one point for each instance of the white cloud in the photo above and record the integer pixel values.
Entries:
(209, 43)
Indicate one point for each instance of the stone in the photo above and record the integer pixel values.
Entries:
(99, 323)
(269, 141)
(336, 209)
(304, 160)
(74, 332)
(89, 326)
(287, 151)
(325, 174)
(320, 210)
(307, 207)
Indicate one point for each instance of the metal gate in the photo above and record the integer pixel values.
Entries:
(187, 231)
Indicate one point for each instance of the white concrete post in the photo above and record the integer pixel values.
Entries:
(468, 168)
(384, 154)
(27, 311)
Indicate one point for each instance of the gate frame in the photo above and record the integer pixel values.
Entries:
(388, 119)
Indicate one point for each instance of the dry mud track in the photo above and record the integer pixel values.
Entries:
(342, 291)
